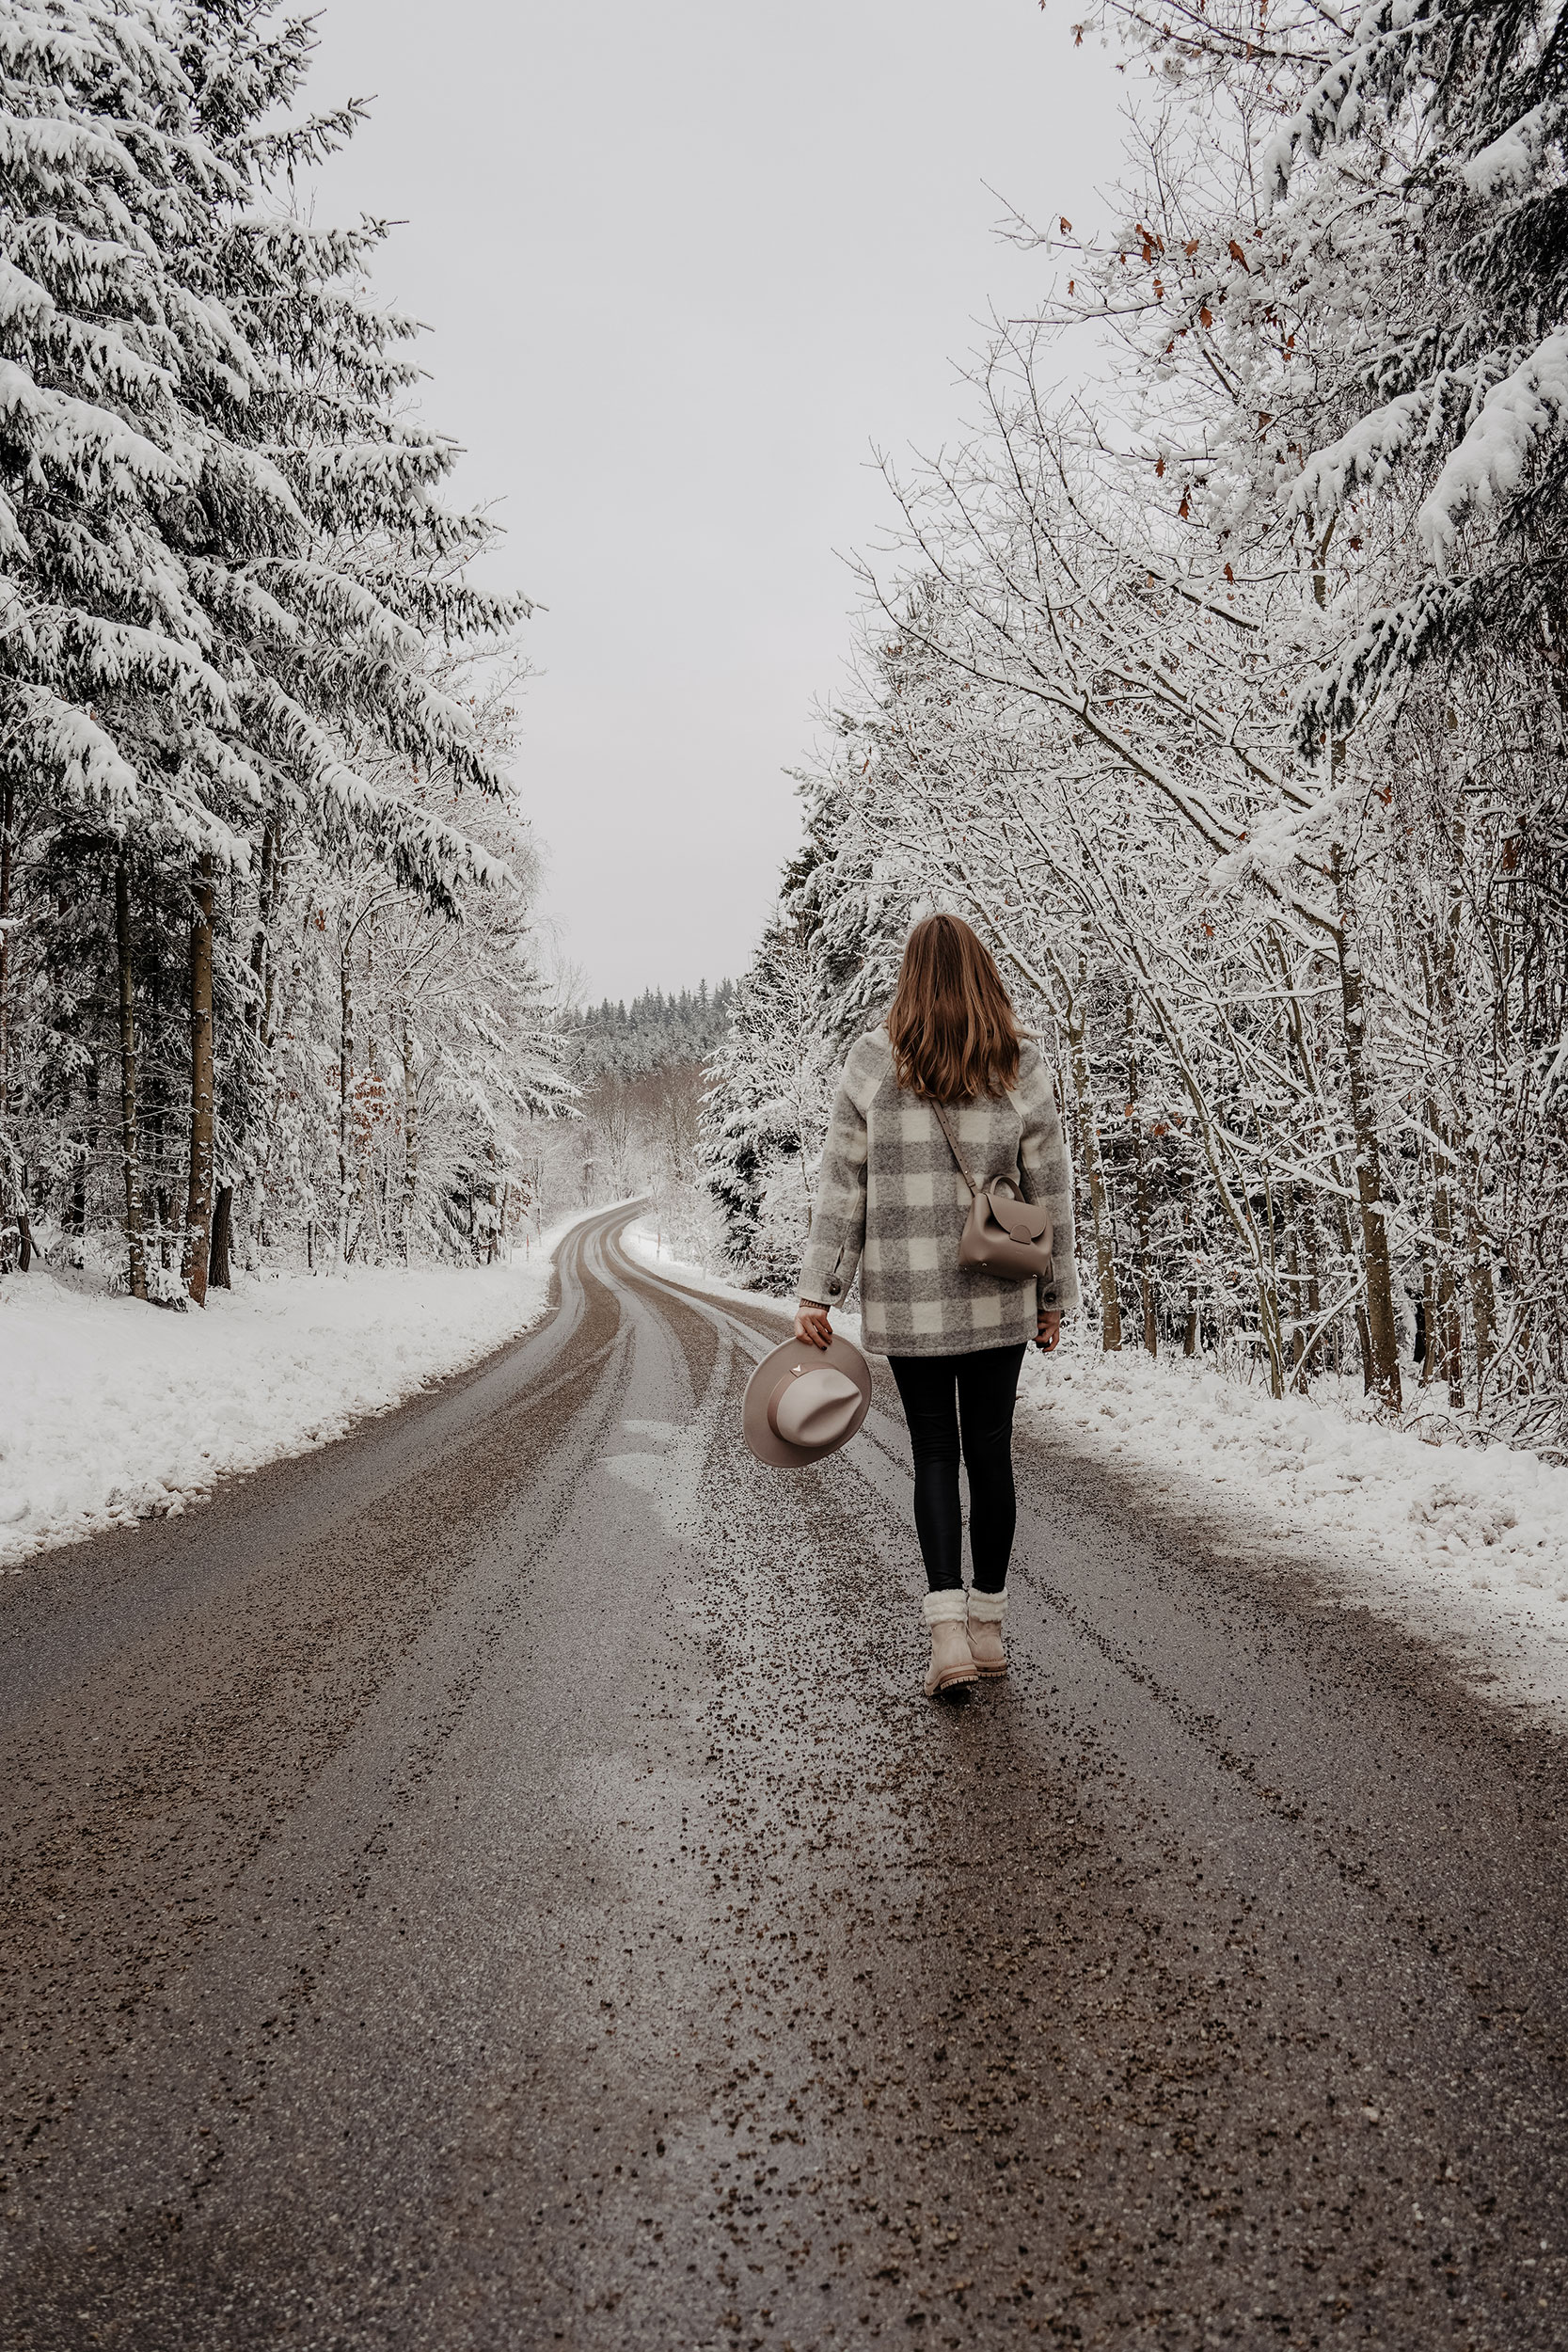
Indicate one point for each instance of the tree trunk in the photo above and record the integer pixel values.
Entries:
(1444, 1348)
(198, 1198)
(1189, 1331)
(1293, 1264)
(1269, 1315)
(130, 1166)
(8, 819)
(345, 1091)
(154, 1138)
(93, 1127)
(1140, 1187)
(1363, 1332)
(260, 945)
(1382, 1332)
(223, 1221)
(369, 1186)
(1093, 1170)
(1448, 1215)
(410, 1139)
(1316, 1352)
(13, 1214)
(1483, 1310)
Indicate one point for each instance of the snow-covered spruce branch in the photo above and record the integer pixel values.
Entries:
(266, 974)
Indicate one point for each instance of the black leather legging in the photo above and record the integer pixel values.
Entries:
(944, 1395)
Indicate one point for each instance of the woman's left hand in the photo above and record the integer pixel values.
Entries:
(1049, 1329)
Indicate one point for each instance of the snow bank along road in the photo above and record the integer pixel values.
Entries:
(492, 1882)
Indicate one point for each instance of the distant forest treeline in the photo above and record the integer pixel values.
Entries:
(640, 1072)
(653, 1032)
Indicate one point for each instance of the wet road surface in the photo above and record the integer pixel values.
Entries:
(495, 1883)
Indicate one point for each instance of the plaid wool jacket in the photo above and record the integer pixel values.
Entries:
(892, 1201)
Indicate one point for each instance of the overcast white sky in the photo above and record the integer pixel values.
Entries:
(683, 260)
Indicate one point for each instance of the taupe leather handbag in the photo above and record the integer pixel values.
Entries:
(1003, 1232)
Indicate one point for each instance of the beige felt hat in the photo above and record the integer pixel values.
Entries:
(804, 1403)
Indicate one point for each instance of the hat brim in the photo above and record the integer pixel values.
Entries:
(840, 1355)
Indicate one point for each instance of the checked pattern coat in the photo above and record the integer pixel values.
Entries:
(891, 1199)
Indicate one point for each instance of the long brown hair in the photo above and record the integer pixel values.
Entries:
(953, 1031)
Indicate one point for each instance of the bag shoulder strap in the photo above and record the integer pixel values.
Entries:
(953, 1147)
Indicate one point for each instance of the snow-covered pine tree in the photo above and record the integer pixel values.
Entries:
(766, 1110)
(225, 565)
(1450, 122)
(650, 1033)
(110, 711)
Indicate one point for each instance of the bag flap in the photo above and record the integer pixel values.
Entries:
(1022, 1220)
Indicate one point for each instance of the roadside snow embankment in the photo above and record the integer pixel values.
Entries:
(1466, 1546)
(645, 1242)
(111, 1411)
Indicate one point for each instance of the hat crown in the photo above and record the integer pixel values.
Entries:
(813, 1409)
(801, 1403)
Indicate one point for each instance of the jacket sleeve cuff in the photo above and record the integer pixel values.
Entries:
(822, 1277)
(1060, 1297)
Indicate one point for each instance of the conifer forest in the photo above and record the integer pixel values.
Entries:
(268, 982)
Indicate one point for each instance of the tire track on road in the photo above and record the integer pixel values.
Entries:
(601, 1942)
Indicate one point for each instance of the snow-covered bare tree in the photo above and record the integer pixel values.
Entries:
(1223, 695)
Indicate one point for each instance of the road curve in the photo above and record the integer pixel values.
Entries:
(493, 1884)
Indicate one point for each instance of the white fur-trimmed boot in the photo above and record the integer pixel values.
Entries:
(986, 1612)
(951, 1659)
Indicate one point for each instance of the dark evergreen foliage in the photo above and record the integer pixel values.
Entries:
(236, 727)
(653, 1032)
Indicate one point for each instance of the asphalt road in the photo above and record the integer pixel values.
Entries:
(495, 1883)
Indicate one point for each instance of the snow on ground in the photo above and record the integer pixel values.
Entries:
(644, 1242)
(111, 1411)
(1466, 1545)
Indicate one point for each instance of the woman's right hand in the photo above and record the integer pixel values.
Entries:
(812, 1323)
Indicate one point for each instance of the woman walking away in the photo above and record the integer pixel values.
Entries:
(944, 1093)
